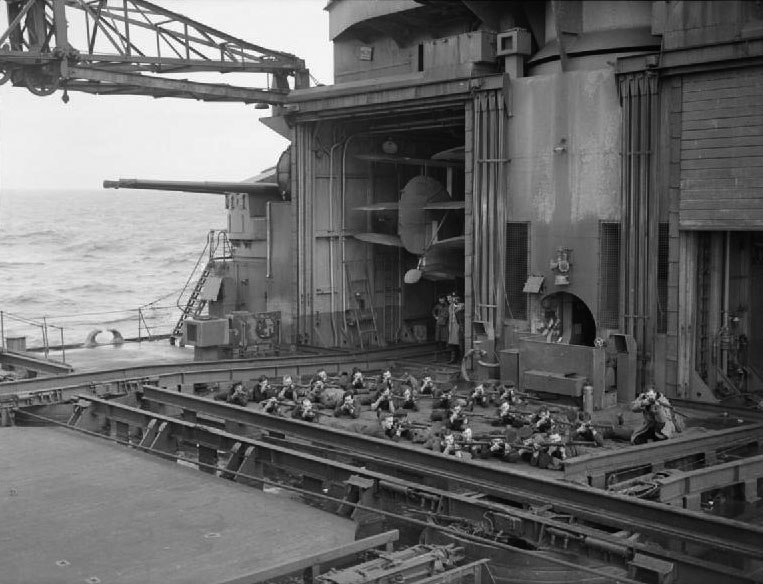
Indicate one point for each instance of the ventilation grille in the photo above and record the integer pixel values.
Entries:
(516, 268)
(609, 275)
(663, 245)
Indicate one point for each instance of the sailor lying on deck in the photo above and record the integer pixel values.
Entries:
(509, 394)
(409, 401)
(289, 390)
(316, 389)
(585, 430)
(385, 382)
(427, 386)
(236, 395)
(384, 403)
(478, 396)
(502, 450)
(305, 411)
(357, 382)
(395, 428)
(456, 419)
(449, 445)
(541, 421)
(263, 389)
(508, 416)
(444, 401)
(270, 405)
(320, 377)
(349, 406)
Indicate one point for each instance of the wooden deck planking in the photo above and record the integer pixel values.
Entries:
(123, 516)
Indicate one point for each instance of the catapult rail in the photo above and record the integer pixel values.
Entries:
(585, 503)
(719, 409)
(596, 467)
(173, 374)
(160, 435)
(686, 488)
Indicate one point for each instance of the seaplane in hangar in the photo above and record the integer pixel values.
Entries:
(429, 226)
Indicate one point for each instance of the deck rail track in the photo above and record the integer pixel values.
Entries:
(719, 409)
(593, 505)
(595, 467)
(173, 374)
(160, 428)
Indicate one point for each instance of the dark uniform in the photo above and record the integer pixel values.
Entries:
(348, 407)
(456, 420)
(383, 402)
(236, 395)
(305, 411)
(289, 391)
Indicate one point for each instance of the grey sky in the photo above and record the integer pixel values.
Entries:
(45, 143)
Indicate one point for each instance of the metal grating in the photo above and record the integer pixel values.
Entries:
(663, 246)
(609, 275)
(517, 248)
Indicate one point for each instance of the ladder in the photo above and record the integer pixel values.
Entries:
(216, 240)
(194, 305)
(361, 304)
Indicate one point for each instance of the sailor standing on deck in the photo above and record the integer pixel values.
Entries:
(440, 315)
(455, 331)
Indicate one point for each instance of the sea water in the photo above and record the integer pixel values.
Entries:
(86, 259)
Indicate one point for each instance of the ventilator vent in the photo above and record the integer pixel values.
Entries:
(517, 252)
(663, 247)
(609, 275)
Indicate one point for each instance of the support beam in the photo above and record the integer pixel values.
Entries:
(594, 468)
(516, 521)
(135, 84)
(34, 363)
(322, 560)
(747, 471)
(646, 516)
(186, 374)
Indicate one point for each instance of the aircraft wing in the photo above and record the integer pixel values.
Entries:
(380, 239)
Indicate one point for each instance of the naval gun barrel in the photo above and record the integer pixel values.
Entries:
(215, 187)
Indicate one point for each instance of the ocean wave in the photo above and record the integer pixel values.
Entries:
(29, 297)
(91, 247)
(104, 286)
(19, 264)
(32, 238)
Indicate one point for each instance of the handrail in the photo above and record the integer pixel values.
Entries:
(193, 272)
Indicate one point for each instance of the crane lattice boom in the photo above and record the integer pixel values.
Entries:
(126, 46)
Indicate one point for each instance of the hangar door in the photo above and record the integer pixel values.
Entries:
(722, 151)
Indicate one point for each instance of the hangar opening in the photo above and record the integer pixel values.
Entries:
(385, 207)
